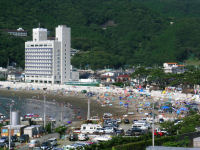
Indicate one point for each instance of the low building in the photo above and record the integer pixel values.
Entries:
(123, 78)
(19, 32)
(3, 72)
(14, 130)
(173, 68)
(34, 130)
(74, 75)
(15, 77)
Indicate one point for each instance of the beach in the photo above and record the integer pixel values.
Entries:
(115, 100)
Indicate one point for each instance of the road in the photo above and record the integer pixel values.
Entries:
(42, 139)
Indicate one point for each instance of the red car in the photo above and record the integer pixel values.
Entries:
(158, 133)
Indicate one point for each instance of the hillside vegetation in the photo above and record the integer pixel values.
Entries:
(109, 33)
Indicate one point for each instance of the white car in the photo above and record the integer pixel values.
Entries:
(100, 130)
(83, 137)
(53, 141)
(102, 138)
(73, 146)
(34, 143)
(109, 130)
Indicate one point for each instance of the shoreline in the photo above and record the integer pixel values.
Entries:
(78, 102)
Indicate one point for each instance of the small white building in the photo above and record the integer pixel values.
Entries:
(168, 67)
(20, 32)
(173, 68)
(15, 77)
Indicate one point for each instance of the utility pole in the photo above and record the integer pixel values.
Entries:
(88, 114)
(44, 110)
(61, 115)
(153, 126)
(10, 126)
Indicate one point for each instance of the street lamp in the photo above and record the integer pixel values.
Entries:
(44, 107)
(153, 126)
(10, 127)
(9, 142)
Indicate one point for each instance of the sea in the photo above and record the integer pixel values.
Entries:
(54, 110)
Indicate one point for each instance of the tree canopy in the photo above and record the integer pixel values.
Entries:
(109, 33)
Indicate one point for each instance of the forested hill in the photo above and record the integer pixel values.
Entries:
(111, 33)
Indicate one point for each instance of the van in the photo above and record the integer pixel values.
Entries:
(89, 128)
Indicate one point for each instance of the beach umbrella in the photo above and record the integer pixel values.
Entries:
(69, 122)
(126, 105)
(183, 109)
(165, 107)
(141, 90)
(121, 103)
(178, 112)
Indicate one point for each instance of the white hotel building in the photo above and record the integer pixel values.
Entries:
(48, 61)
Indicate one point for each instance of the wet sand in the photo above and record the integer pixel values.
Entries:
(76, 101)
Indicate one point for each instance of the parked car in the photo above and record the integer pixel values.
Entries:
(161, 120)
(73, 137)
(46, 146)
(83, 137)
(100, 131)
(34, 143)
(126, 121)
(6, 144)
(129, 132)
(89, 128)
(119, 132)
(158, 133)
(109, 130)
(119, 120)
(36, 148)
(24, 138)
(137, 131)
(4, 139)
(56, 148)
(53, 141)
(14, 138)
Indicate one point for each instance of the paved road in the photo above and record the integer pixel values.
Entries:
(42, 139)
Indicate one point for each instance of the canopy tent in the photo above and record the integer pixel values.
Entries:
(182, 109)
(165, 107)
